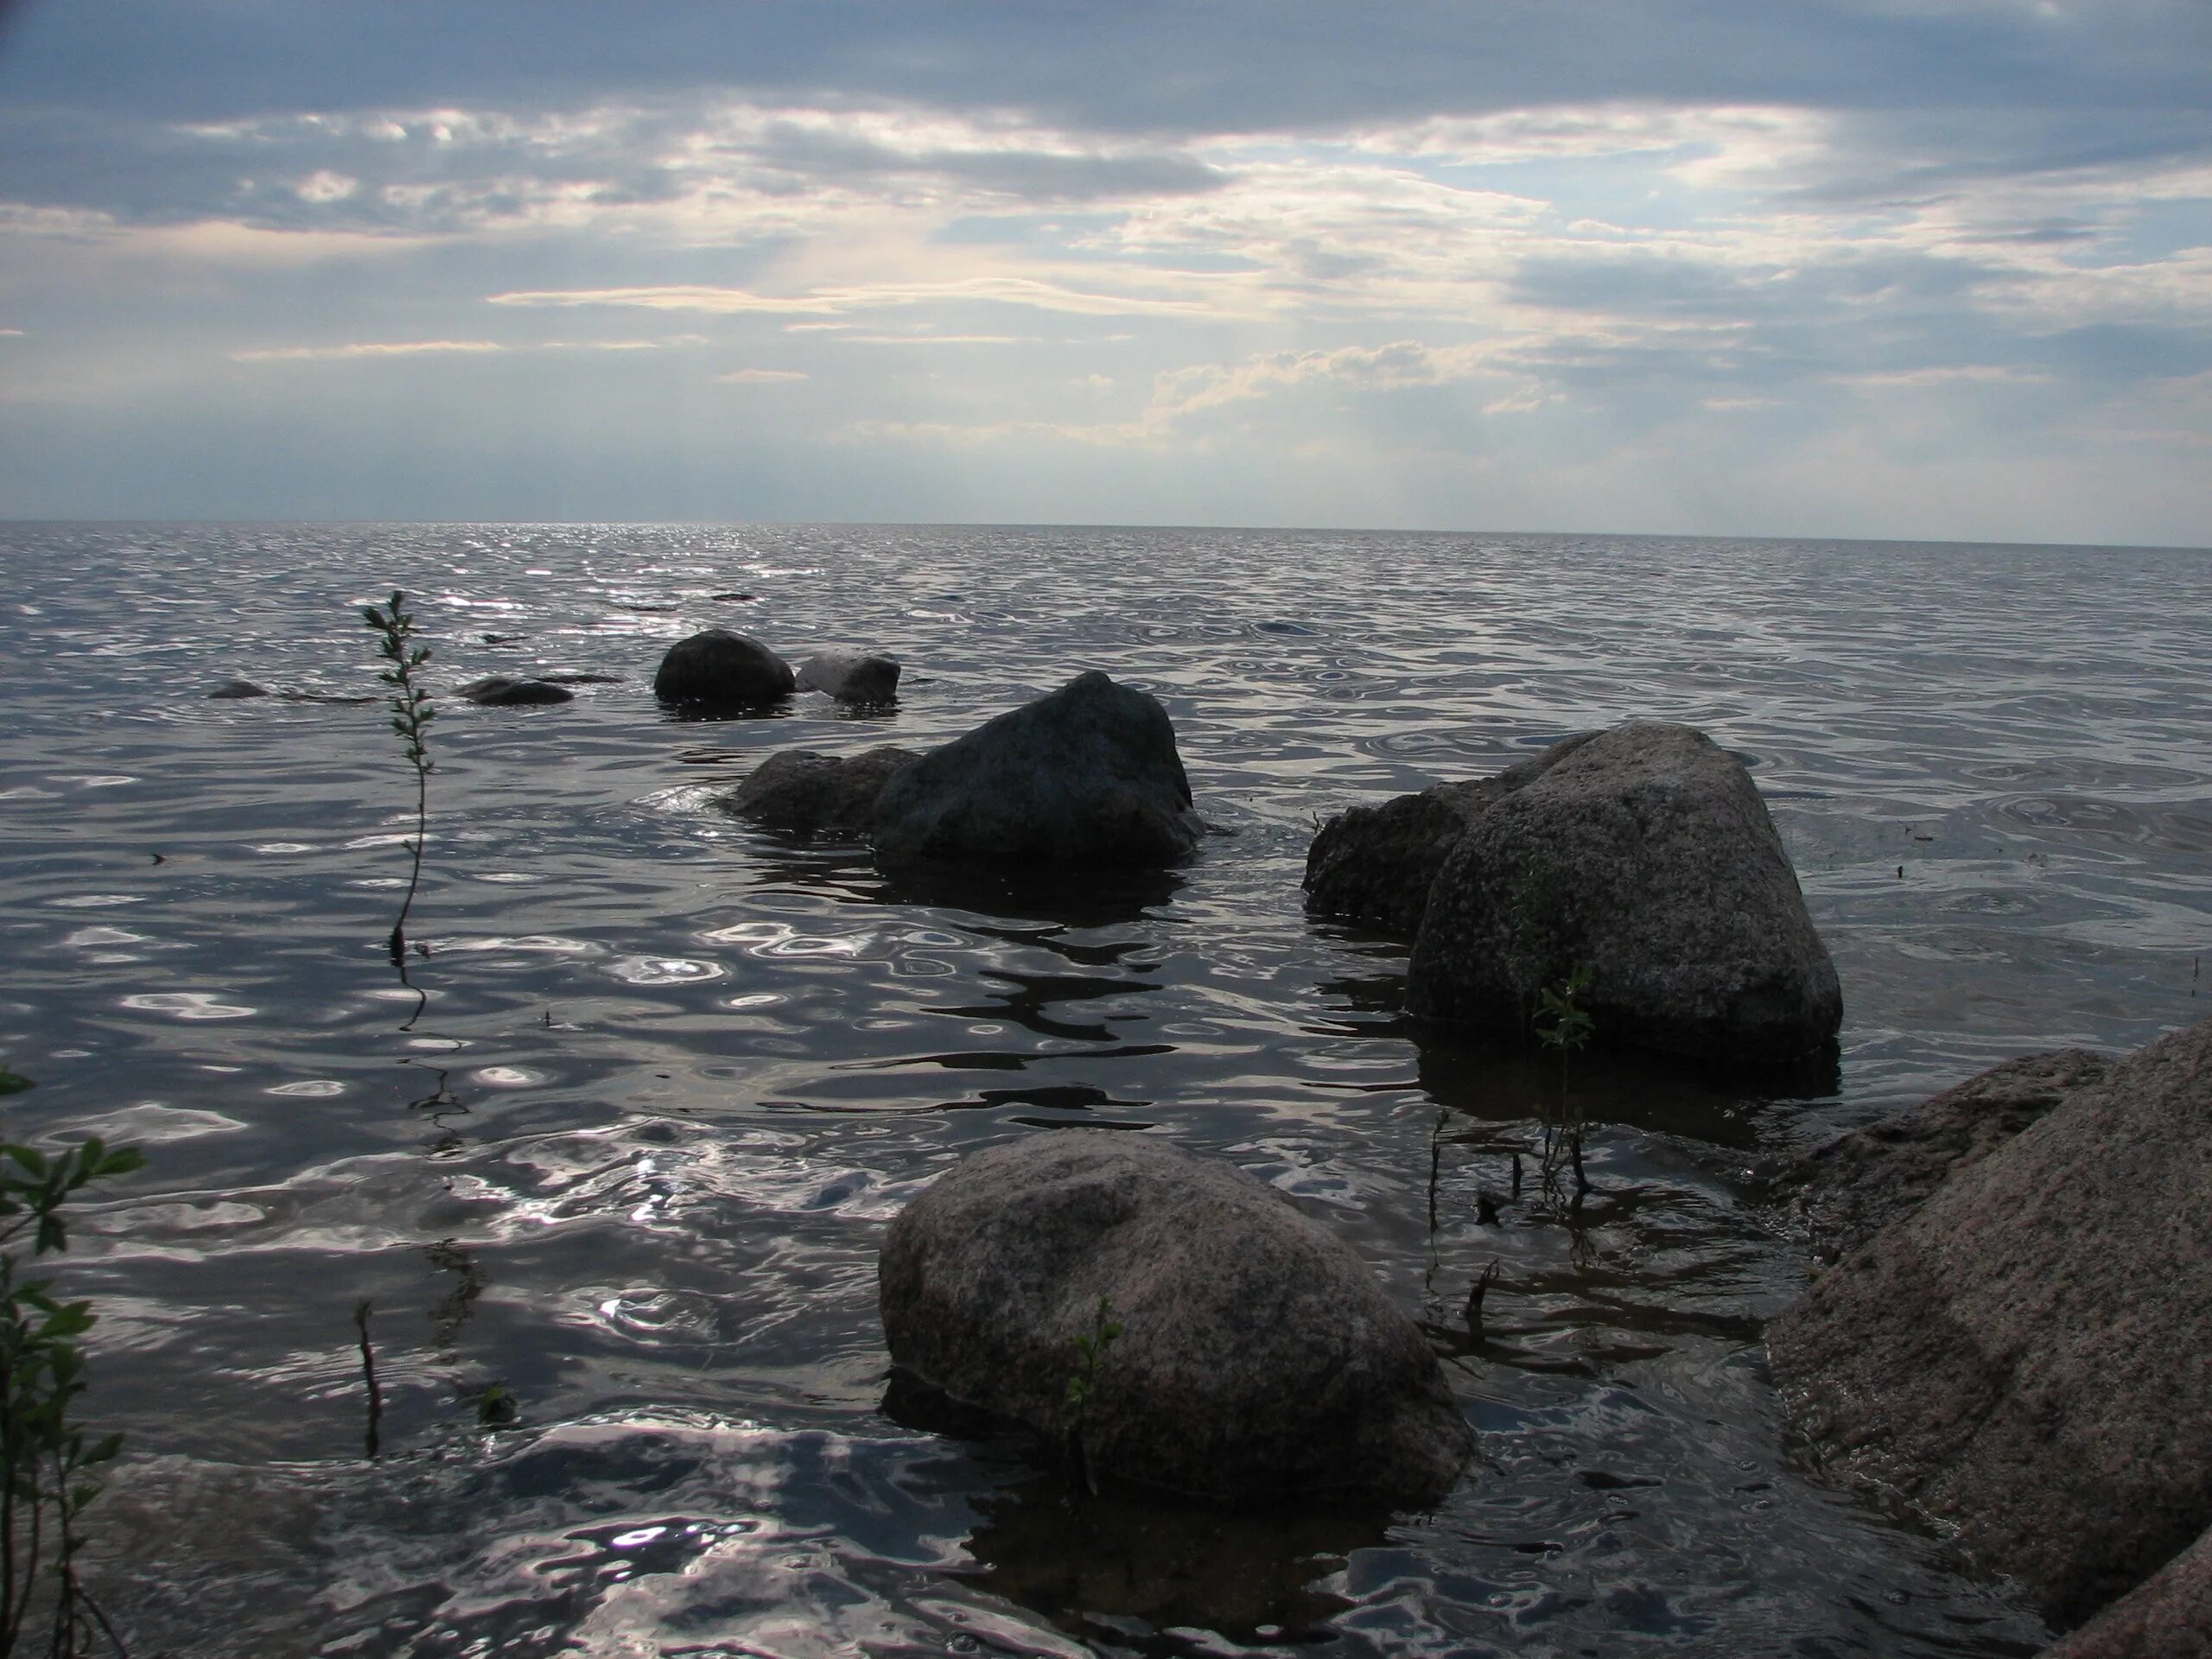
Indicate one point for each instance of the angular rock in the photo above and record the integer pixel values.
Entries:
(2025, 1356)
(239, 688)
(1258, 1356)
(1644, 854)
(1086, 776)
(497, 691)
(2166, 1617)
(1853, 1186)
(804, 791)
(850, 675)
(716, 668)
(1375, 864)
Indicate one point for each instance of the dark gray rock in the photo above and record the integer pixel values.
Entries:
(1086, 776)
(576, 676)
(1850, 1188)
(716, 668)
(2024, 1357)
(1644, 854)
(806, 792)
(1258, 1355)
(2168, 1616)
(1376, 864)
(497, 691)
(238, 688)
(850, 675)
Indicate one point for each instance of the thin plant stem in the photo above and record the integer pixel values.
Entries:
(411, 715)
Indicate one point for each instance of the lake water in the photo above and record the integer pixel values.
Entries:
(628, 1154)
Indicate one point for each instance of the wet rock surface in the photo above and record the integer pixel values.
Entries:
(1258, 1355)
(1087, 775)
(717, 669)
(1853, 1186)
(2168, 1616)
(806, 792)
(1644, 854)
(850, 675)
(2022, 1356)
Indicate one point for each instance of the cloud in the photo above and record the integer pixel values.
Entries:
(372, 349)
(760, 376)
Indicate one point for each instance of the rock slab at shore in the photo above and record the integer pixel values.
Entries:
(1258, 1355)
(2024, 1357)
(1645, 855)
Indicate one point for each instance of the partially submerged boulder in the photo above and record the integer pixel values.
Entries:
(717, 669)
(1086, 776)
(2024, 1357)
(1644, 854)
(235, 690)
(1376, 864)
(497, 691)
(806, 792)
(1257, 1355)
(1850, 1188)
(851, 676)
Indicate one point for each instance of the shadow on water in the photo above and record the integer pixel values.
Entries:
(1127, 1561)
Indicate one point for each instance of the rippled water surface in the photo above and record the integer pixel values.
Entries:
(628, 1157)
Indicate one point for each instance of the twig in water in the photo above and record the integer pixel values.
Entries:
(1475, 1294)
(369, 1373)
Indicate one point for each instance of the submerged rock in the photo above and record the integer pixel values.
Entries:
(1644, 854)
(1853, 1186)
(850, 675)
(716, 668)
(238, 688)
(1258, 1354)
(2024, 1357)
(497, 691)
(804, 791)
(1088, 775)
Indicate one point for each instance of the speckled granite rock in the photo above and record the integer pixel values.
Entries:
(2168, 1616)
(1258, 1356)
(2025, 1356)
(1644, 854)
(804, 791)
(716, 668)
(1086, 776)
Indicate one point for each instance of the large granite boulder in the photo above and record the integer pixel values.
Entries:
(2025, 1356)
(716, 669)
(851, 676)
(1258, 1354)
(1086, 776)
(1644, 854)
(806, 792)
(1849, 1189)
(1375, 864)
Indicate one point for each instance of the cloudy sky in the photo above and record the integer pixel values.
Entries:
(1881, 268)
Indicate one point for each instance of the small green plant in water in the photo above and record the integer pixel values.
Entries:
(1562, 1023)
(49, 1478)
(1082, 1386)
(411, 715)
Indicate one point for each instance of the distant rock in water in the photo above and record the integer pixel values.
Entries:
(850, 675)
(497, 691)
(2024, 1357)
(1642, 853)
(718, 669)
(1086, 776)
(574, 677)
(1257, 1355)
(804, 792)
(239, 688)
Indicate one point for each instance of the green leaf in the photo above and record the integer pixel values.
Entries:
(29, 1157)
(13, 1082)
